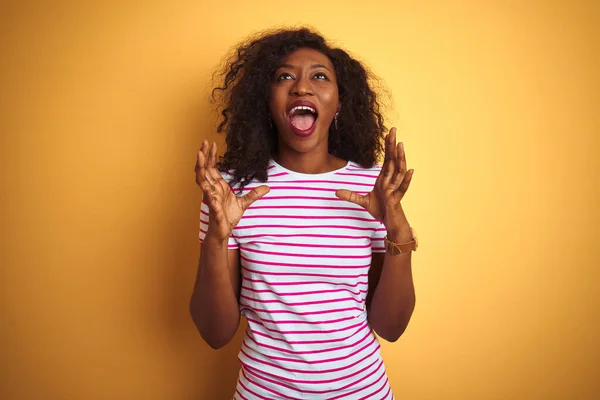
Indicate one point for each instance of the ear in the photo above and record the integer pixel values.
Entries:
(339, 107)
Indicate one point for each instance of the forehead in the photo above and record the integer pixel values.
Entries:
(306, 56)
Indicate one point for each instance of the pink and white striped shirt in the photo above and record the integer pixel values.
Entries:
(305, 257)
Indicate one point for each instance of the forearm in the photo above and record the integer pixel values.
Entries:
(394, 298)
(214, 304)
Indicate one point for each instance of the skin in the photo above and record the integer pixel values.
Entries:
(308, 75)
(390, 278)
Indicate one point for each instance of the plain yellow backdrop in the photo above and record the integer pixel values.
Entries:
(103, 106)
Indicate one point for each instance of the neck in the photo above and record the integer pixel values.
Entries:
(318, 161)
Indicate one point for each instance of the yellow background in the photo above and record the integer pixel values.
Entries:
(104, 104)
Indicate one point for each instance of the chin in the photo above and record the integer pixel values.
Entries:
(304, 144)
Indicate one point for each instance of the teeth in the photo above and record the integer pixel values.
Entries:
(298, 108)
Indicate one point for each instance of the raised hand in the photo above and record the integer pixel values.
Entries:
(383, 202)
(225, 208)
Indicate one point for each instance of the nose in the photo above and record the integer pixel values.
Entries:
(302, 87)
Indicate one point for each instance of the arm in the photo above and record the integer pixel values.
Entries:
(215, 301)
(214, 305)
(391, 298)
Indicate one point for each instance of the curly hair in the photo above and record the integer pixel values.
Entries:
(241, 91)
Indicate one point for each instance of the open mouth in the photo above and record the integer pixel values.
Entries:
(303, 118)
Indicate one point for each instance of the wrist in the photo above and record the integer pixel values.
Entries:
(396, 224)
(398, 230)
(400, 235)
(401, 243)
(215, 241)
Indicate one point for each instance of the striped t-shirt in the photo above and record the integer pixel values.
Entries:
(305, 257)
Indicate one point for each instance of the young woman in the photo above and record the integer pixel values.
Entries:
(300, 231)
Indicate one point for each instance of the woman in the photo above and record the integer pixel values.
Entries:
(296, 220)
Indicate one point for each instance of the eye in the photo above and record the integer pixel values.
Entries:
(284, 76)
(321, 76)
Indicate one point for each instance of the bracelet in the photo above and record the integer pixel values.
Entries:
(398, 248)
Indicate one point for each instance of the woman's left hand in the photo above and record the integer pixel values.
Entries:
(383, 202)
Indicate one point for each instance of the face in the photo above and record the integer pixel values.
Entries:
(304, 100)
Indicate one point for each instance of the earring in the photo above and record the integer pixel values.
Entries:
(335, 122)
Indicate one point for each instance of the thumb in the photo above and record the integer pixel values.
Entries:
(254, 195)
(352, 197)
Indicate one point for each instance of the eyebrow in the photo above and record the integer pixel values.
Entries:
(314, 66)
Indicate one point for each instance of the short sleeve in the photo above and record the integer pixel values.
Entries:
(377, 245)
(232, 243)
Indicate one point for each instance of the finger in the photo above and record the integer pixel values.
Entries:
(209, 177)
(407, 179)
(400, 173)
(197, 166)
(203, 151)
(200, 170)
(215, 176)
(401, 158)
(395, 183)
(212, 172)
(211, 186)
(212, 158)
(392, 143)
(386, 156)
(389, 170)
(205, 148)
(352, 197)
(390, 154)
(255, 194)
(201, 161)
(207, 189)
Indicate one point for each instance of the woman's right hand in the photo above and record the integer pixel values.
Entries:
(226, 209)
